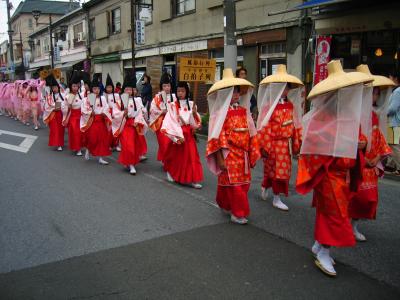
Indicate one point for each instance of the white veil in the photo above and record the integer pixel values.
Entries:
(267, 99)
(366, 114)
(218, 103)
(218, 106)
(332, 126)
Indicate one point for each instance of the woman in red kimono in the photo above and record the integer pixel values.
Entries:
(158, 109)
(364, 203)
(128, 125)
(72, 115)
(181, 158)
(232, 148)
(330, 163)
(95, 121)
(52, 114)
(279, 131)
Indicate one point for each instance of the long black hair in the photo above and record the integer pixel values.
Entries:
(185, 85)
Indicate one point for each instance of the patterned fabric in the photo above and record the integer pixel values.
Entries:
(364, 203)
(242, 150)
(276, 139)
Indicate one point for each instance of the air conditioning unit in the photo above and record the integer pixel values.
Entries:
(81, 36)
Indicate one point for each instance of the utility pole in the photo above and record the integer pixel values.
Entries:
(22, 53)
(10, 35)
(51, 42)
(133, 29)
(230, 47)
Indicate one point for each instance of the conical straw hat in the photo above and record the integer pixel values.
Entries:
(380, 81)
(338, 79)
(228, 80)
(281, 75)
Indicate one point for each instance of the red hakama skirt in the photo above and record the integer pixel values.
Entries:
(163, 142)
(97, 137)
(333, 230)
(56, 134)
(182, 161)
(234, 199)
(131, 147)
(143, 145)
(74, 131)
(279, 186)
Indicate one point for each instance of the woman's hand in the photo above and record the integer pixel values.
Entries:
(264, 153)
(221, 161)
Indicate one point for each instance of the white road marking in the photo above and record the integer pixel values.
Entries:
(24, 146)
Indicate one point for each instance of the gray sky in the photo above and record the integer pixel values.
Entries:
(3, 17)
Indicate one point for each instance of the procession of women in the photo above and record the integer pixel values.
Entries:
(339, 143)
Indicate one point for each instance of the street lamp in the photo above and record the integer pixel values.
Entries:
(36, 15)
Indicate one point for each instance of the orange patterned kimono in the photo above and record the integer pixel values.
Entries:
(274, 139)
(364, 203)
(241, 155)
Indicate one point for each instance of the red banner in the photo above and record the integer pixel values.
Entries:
(322, 57)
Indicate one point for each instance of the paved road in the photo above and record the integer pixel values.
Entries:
(72, 229)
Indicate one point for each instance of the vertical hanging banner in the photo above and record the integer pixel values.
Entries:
(140, 32)
(322, 57)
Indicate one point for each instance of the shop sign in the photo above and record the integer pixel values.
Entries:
(140, 32)
(197, 69)
(322, 57)
(184, 47)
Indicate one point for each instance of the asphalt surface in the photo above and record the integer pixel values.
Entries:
(72, 229)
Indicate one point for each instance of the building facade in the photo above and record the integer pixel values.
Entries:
(23, 24)
(190, 28)
(70, 45)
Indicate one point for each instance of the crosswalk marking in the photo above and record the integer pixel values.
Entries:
(24, 146)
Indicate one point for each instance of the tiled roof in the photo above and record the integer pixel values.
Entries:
(46, 7)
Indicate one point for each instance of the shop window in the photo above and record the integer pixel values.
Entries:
(169, 59)
(79, 38)
(273, 49)
(116, 21)
(30, 23)
(182, 7)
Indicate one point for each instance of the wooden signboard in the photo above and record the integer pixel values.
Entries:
(197, 69)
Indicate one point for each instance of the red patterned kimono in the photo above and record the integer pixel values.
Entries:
(364, 203)
(333, 180)
(241, 153)
(274, 139)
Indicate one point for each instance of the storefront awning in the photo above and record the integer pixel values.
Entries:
(68, 65)
(106, 58)
(33, 69)
(308, 4)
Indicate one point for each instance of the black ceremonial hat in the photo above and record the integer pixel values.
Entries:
(109, 81)
(129, 81)
(51, 81)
